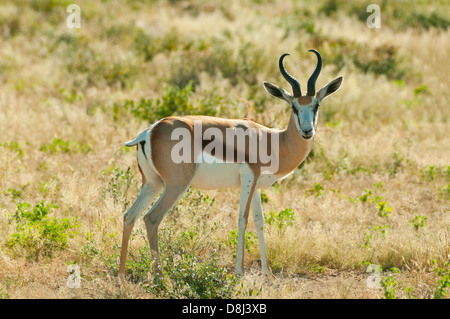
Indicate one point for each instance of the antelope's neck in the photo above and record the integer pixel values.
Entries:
(293, 148)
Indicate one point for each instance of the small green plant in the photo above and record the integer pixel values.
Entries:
(264, 197)
(89, 250)
(3, 295)
(389, 285)
(365, 196)
(317, 190)
(281, 219)
(13, 146)
(373, 231)
(317, 268)
(383, 209)
(36, 233)
(16, 193)
(422, 89)
(368, 237)
(371, 196)
(418, 222)
(443, 275)
(381, 229)
(396, 164)
(250, 240)
(118, 183)
(429, 172)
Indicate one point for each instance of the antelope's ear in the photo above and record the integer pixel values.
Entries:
(328, 89)
(274, 90)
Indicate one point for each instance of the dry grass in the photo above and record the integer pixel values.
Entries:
(58, 83)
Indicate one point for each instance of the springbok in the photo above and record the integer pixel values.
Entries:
(161, 167)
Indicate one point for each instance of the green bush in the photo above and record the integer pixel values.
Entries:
(174, 101)
(188, 276)
(117, 184)
(250, 240)
(443, 279)
(36, 233)
(281, 220)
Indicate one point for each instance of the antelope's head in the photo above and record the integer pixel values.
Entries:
(305, 107)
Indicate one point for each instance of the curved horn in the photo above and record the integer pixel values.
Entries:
(313, 78)
(292, 81)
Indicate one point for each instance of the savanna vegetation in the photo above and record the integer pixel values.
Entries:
(365, 216)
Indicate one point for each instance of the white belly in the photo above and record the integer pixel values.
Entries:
(226, 175)
(217, 175)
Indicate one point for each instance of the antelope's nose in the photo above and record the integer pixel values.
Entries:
(308, 132)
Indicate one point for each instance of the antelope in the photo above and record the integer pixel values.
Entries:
(160, 170)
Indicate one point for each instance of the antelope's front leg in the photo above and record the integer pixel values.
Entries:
(259, 223)
(248, 182)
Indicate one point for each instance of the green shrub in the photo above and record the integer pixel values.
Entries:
(36, 233)
(174, 101)
(117, 184)
(188, 276)
(250, 240)
(281, 219)
(389, 285)
(443, 275)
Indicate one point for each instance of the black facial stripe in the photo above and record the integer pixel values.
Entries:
(295, 110)
(143, 148)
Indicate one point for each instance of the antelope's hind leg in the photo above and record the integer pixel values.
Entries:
(148, 192)
(153, 218)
